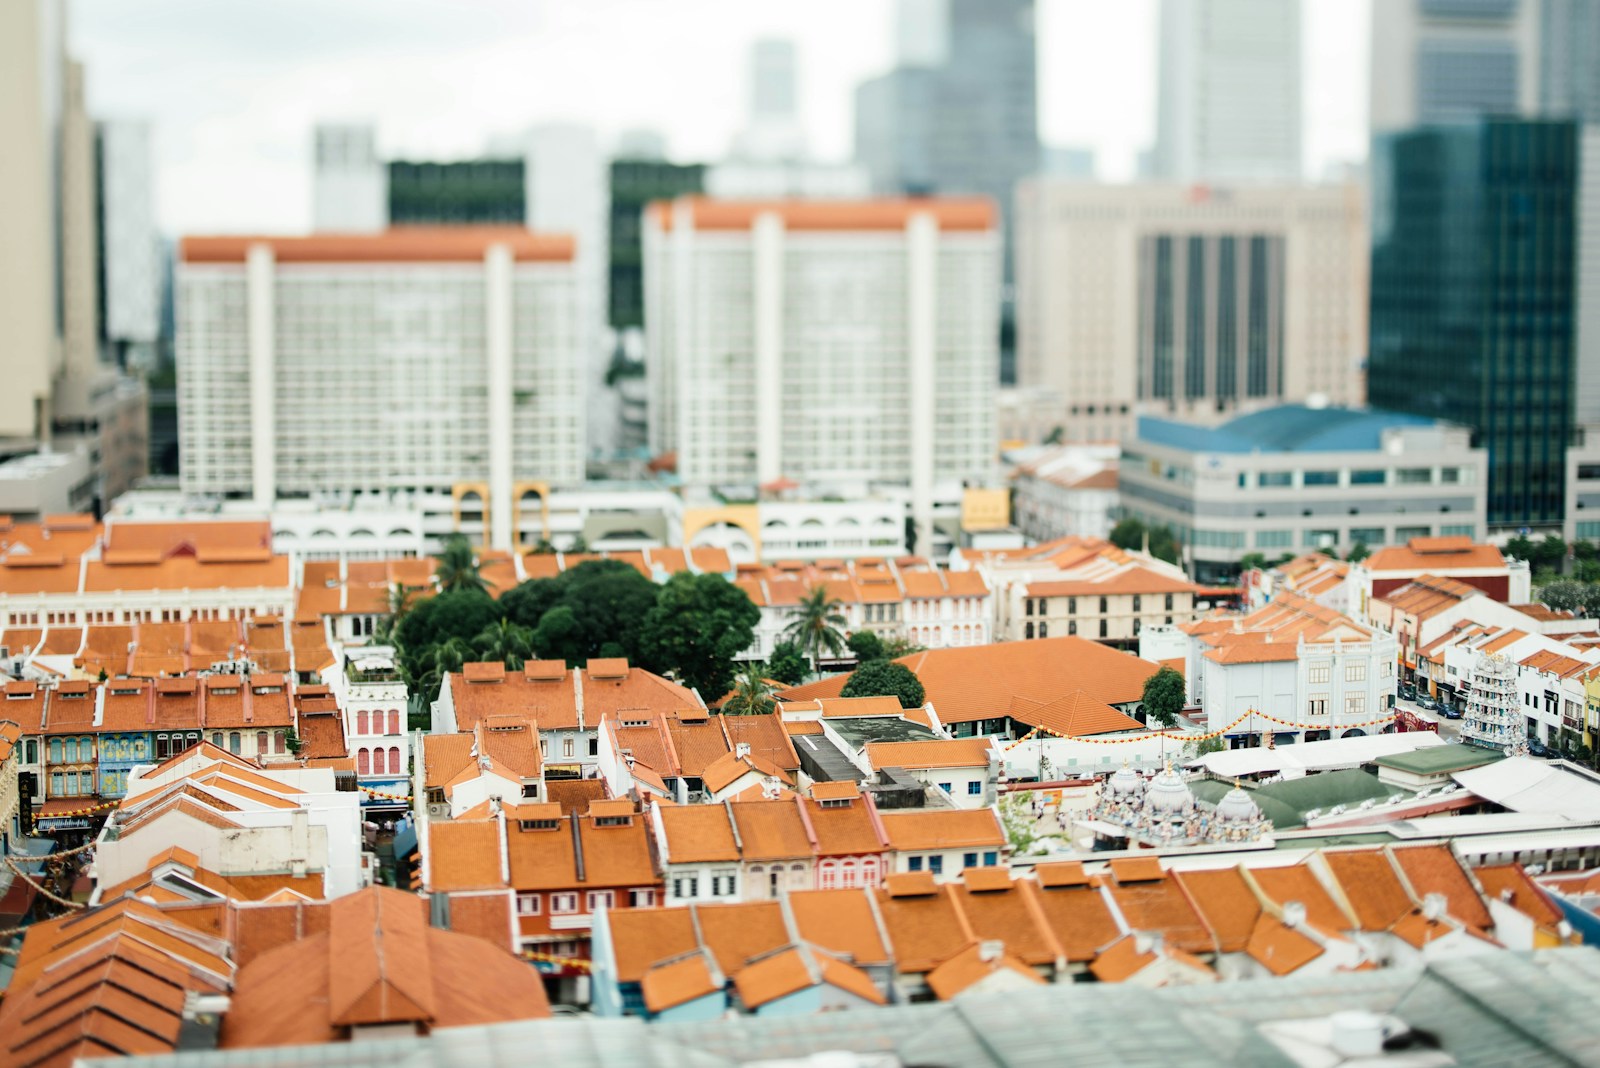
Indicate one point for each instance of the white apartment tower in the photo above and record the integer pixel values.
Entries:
(1447, 60)
(350, 191)
(419, 359)
(842, 343)
(1229, 98)
(1196, 303)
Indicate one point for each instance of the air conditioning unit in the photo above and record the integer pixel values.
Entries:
(439, 810)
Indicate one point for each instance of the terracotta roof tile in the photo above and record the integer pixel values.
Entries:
(1281, 949)
(1225, 902)
(666, 986)
(969, 968)
(921, 829)
(1434, 869)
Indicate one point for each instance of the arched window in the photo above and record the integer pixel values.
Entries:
(361, 722)
(235, 742)
(869, 871)
(377, 761)
(1027, 632)
(261, 742)
(55, 750)
(394, 721)
(394, 760)
(277, 742)
(72, 749)
(827, 874)
(363, 762)
(847, 873)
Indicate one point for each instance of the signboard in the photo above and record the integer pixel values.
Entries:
(27, 787)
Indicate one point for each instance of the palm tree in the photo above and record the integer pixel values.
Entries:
(752, 694)
(505, 641)
(817, 626)
(399, 604)
(457, 566)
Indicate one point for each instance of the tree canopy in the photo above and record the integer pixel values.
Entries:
(453, 616)
(752, 694)
(787, 664)
(698, 624)
(1164, 697)
(576, 614)
(866, 645)
(457, 567)
(1130, 533)
(818, 625)
(885, 678)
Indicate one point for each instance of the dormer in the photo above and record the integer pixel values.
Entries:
(538, 817)
(484, 674)
(614, 813)
(835, 794)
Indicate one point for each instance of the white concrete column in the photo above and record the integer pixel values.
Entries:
(497, 303)
(922, 281)
(767, 239)
(260, 321)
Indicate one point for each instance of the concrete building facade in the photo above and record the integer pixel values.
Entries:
(1189, 301)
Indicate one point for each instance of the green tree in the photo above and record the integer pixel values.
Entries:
(817, 626)
(1055, 435)
(607, 601)
(698, 624)
(1163, 697)
(787, 664)
(752, 694)
(400, 598)
(866, 645)
(1128, 533)
(457, 567)
(505, 641)
(1164, 544)
(895, 647)
(1585, 550)
(885, 678)
(458, 615)
(1252, 562)
(1550, 553)
(1520, 548)
(1358, 552)
(1566, 595)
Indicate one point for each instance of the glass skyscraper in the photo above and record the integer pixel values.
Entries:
(1474, 296)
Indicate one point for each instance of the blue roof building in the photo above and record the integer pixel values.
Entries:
(1292, 479)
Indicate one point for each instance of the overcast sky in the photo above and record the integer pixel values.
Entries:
(233, 88)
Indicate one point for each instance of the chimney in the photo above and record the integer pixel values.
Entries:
(741, 750)
(299, 838)
(1294, 914)
(202, 1019)
(1434, 907)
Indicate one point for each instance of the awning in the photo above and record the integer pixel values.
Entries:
(15, 902)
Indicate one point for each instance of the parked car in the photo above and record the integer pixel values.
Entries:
(1539, 749)
(1424, 701)
(1451, 711)
(1408, 693)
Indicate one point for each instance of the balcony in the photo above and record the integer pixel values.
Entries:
(574, 921)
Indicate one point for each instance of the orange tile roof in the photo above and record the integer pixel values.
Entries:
(463, 855)
(1512, 884)
(1434, 869)
(850, 829)
(378, 963)
(697, 834)
(1001, 910)
(1371, 886)
(980, 682)
(1280, 948)
(1298, 882)
(792, 970)
(1161, 905)
(1077, 914)
(772, 830)
(926, 927)
(840, 921)
(1129, 580)
(926, 829)
(951, 213)
(969, 968)
(1435, 555)
(403, 244)
(667, 986)
(1226, 903)
(947, 753)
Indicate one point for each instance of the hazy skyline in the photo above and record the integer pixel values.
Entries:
(233, 90)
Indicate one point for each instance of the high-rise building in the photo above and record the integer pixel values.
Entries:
(1448, 60)
(1201, 303)
(772, 131)
(1228, 107)
(1569, 66)
(131, 257)
(838, 343)
(960, 114)
(350, 184)
(58, 395)
(420, 359)
(636, 182)
(467, 192)
(1485, 257)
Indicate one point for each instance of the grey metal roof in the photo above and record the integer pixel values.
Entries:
(1496, 1009)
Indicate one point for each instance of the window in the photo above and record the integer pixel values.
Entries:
(599, 898)
(1367, 478)
(31, 752)
(566, 747)
(724, 882)
(57, 789)
(945, 787)
(528, 904)
(1275, 479)
(394, 721)
(991, 858)
(1027, 631)
(216, 739)
(1169, 602)
(1072, 626)
(1044, 629)
(361, 722)
(563, 904)
(1355, 704)
(1274, 539)
(261, 741)
(974, 789)
(1413, 476)
(1103, 629)
(912, 863)
(1102, 606)
(1028, 606)
(969, 860)
(363, 761)
(379, 766)
(278, 742)
(1072, 606)
(394, 760)
(936, 864)
(1137, 603)
(55, 750)
(1319, 478)
(641, 899)
(1318, 706)
(1355, 671)
(685, 886)
(72, 749)
(1319, 673)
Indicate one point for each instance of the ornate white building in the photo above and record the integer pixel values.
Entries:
(1163, 812)
(1493, 715)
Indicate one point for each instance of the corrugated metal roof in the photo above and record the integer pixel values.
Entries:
(1287, 428)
